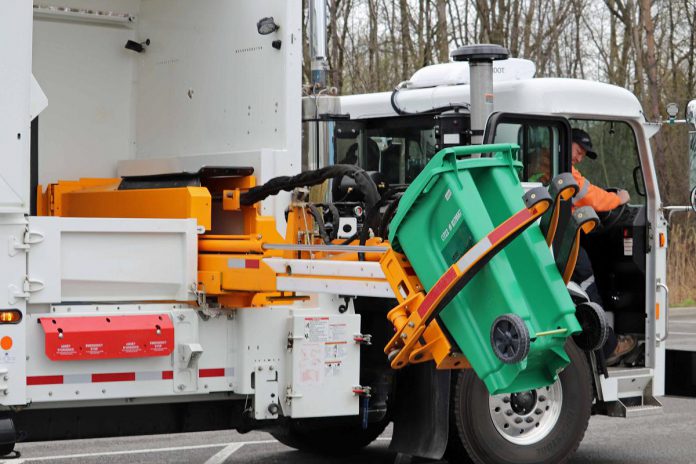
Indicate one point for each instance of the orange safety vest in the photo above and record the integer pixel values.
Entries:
(591, 195)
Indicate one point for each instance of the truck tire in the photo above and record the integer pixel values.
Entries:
(322, 437)
(539, 426)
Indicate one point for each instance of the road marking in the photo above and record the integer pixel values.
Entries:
(222, 455)
(141, 451)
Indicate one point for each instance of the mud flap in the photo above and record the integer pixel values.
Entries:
(421, 411)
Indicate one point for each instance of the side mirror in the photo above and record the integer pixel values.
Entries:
(691, 114)
(693, 199)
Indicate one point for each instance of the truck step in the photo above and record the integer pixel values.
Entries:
(648, 406)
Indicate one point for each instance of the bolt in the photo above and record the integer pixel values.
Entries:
(542, 398)
(518, 420)
(404, 336)
(260, 368)
(50, 393)
(529, 420)
(273, 408)
(205, 386)
(181, 387)
(181, 317)
(538, 411)
(103, 390)
(411, 324)
(508, 412)
(271, 368)
(77, 392)
(60, 334)
(5, 378)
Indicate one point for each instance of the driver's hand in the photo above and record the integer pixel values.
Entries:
(623, 196)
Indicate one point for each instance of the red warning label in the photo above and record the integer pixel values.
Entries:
(106, 337)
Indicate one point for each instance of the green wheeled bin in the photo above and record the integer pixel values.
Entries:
(455, 202)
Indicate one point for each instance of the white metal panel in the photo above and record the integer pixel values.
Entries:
(318, 267)
(15, 81)
(254, 349)
(12, 272)
(210, 83)
(95, 259)
(78, 385)
(89, 78)
(376, 288)
(39, 101)
(325, 364)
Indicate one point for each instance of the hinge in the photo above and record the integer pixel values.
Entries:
(290, 394)
(29, 286)
(30, 238)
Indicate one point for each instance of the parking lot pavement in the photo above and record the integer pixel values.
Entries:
(666, 437)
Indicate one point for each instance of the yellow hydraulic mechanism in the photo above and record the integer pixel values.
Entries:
(244, 262)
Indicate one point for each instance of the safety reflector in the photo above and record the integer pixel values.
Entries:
(10, 316)
(107, 337)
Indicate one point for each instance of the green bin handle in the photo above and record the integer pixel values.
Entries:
(502, 151)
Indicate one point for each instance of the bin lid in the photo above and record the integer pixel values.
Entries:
(447, 160)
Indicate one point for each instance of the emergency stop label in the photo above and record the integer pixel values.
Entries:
(66, 350)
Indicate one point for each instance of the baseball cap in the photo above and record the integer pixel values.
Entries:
(583, 139)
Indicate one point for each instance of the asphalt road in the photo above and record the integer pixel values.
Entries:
(666, 437)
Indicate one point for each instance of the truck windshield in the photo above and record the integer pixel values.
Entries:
(618, 163)
(399, 148)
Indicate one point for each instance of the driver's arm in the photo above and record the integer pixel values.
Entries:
(596, 197)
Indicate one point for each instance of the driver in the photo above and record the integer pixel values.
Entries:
(590, 195)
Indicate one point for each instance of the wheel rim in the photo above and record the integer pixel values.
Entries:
(527, 417)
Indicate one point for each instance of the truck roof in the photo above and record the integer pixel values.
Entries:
(569, 97)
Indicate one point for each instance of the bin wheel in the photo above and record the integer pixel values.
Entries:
(510, 338)
(594, 325)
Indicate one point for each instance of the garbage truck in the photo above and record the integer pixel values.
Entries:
(193, 245)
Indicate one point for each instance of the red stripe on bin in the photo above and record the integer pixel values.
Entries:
(114, 377)
(211, 373)
(45, 380)
(167, 375)
(437, 290)
(507, 227)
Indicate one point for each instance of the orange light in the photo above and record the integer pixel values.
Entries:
(657, 311)
(6, 343)
(10, 316)
(662, 240)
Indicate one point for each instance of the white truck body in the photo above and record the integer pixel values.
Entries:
(209, 90)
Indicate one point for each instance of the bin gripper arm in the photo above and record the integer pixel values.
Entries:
(563, 187)
(584, 219)
(410, 327)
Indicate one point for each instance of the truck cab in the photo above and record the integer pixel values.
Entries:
(627, 252)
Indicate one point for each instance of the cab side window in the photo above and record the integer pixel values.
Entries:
(539, 148)
(617, 164)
